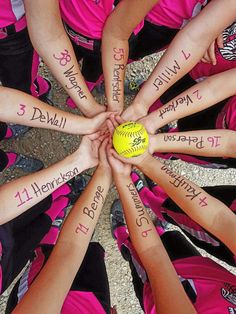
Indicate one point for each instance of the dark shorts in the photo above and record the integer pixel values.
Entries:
(89, 50)
(152, 38)
(177, 247)
(91, 277)
(225, 194)
(19, 237)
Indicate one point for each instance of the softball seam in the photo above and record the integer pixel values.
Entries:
(132, 150)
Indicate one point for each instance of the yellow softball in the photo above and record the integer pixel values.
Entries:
(130, 139)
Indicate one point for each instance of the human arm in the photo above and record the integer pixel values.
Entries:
(204, 209)
(21, 194)
(115, 48)
(52, 43)
(197, 98)
(30, 111)
(210, 54)
(186, 49)
(212, 143)
(161, 273)
(47, 293)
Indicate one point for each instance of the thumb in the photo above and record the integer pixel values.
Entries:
(102, 117)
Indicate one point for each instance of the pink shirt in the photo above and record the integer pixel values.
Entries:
(82, 302)
(174, 13)
(214, 286)
(86, 17)
(11, 11)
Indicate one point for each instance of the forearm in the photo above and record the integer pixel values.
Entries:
(161, 273)
(71, 247)
(21, 194)
(115, 47)
(52, 43)
(212, 143)
(114, 59)
(186, 50)
(197, 98)
(27, 110)
(204, 209)
(141, 230)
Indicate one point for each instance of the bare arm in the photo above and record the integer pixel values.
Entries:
(21, 194)
(48, 291)
(51, 42)
(184, 52)
(161, 273)
(115, 48)
(27, 110)
(212, 143)
(204, 209)
(197, 98)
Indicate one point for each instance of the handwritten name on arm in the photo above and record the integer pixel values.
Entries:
(118, 56)
(45, 118)
(170, 71)
(198, 142)
(141, 220)
(38, 190)
(89, 211)
(191, 192)
(63, 58)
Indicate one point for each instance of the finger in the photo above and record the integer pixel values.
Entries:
(114, 122)
(206, 57)
(117, 156)
(102, 117)
(93, 136)
(204, 60)
(211, 52)
(119, 120)
(109, 149)
(220, 41)
(110, 126)
(102, 137)
(102, 149)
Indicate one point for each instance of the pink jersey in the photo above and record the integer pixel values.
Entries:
(82, 302)
(174, 13)
(11, 11)
(213, 286)
(226, 57)
(86, 17)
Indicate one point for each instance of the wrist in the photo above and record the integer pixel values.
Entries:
(75, 160)
(104, 170)
(146, 162)
(140, 109)
(153, 143)
(121, 178)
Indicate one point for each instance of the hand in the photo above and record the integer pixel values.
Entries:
(149, 122)
(209, 56)
(118, 167)
(113, 123)
(96, 109)
(88, 150)
(136, 161)
(103, 161)
(98, 123)
(134, 112)
(117, 110)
